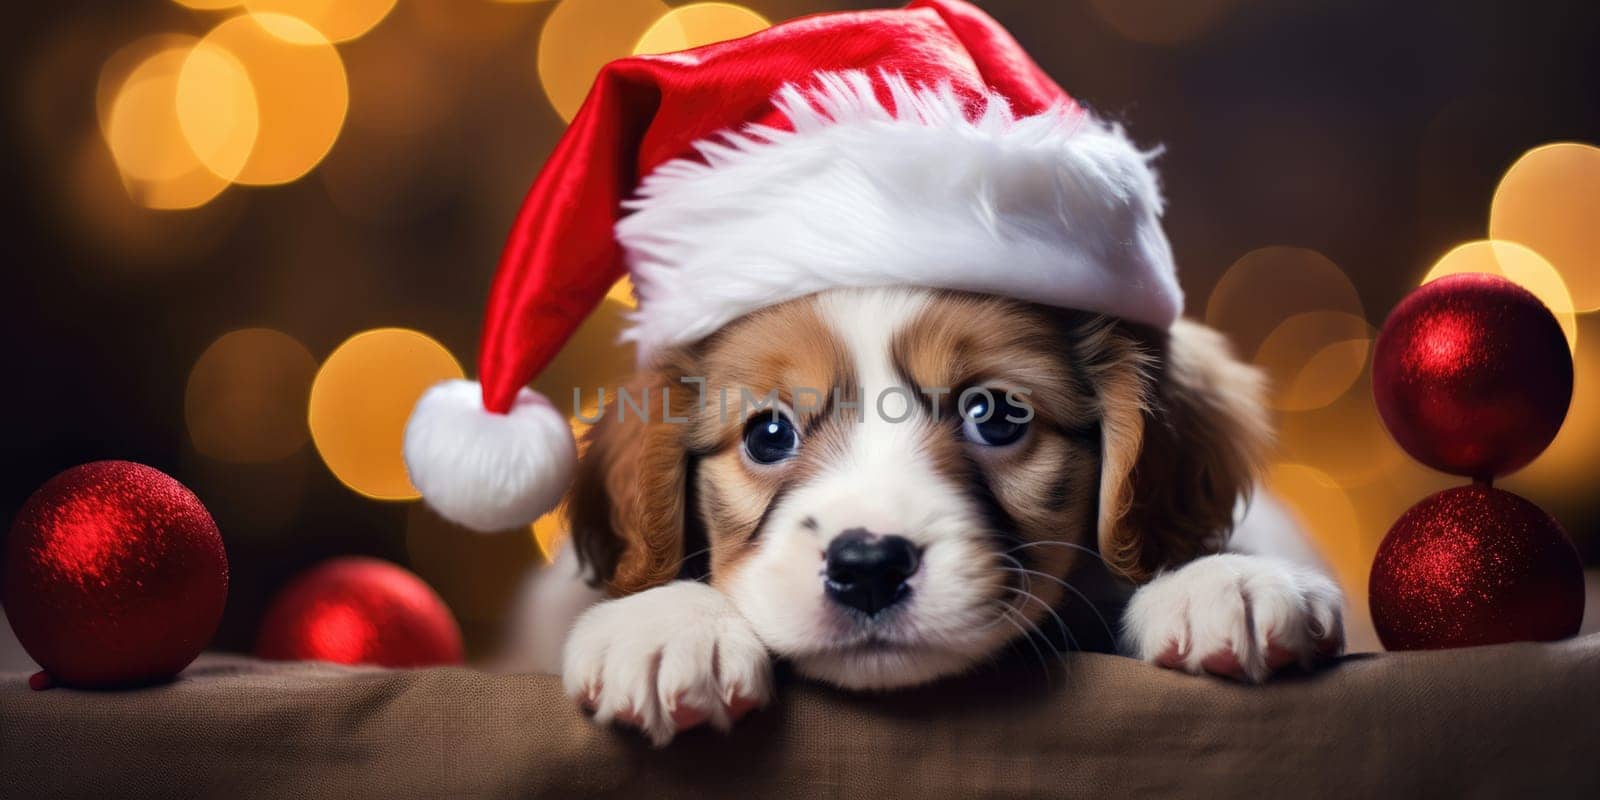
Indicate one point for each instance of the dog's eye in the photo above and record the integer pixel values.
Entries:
(989, 417)
(769, 439)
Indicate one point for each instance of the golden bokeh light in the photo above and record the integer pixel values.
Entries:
(580, 36)
(336, 20)
(1313, 358)
(1297, 315)
(114, 71)
(1268, 285)
(246, 397)
(1162, 21)
(142, 130)
(1519, 265)
(1345, 440)
(360, 402)
(477, 574)
(300, 92)
(217, 109)
(698, 24)
(1549, 200)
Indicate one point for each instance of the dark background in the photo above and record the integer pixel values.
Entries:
(1372, 132)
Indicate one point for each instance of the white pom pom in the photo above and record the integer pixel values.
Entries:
(489, 472)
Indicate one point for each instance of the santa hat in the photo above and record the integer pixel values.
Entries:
(916, 147)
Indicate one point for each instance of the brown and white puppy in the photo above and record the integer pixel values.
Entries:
(885, 526)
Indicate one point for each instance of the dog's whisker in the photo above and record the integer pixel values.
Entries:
(1106, 626)
(1040, 634)
(1081, 596)
(1122, 573)
(1027, 583)
(1066, 630)
(1027, 592)
(696, 554)
(1007, 614)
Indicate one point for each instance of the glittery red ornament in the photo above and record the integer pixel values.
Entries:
(1472, 375)
(1475, 565)
(360, 611)
(115, 575)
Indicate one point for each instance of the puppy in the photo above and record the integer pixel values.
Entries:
(920, 505)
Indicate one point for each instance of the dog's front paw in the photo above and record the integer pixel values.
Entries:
(666, 660)
(1238, 616)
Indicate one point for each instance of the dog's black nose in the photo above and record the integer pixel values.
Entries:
(868, 572)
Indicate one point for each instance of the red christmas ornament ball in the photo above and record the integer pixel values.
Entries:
(115, 575)
(1472, 566)
(1472, 375)
(357, 610)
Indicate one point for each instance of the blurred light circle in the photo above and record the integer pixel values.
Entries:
(361, 399)
(698, 24)
(1328, 515)
(477, 574)
(1519, 265)
(246, 397)
(217, 109)
(580, 37)
(1270, 284)
(1297, 315)
(336, 20)
(145, 136)
(1161, 21)
(114, 71)
(1550, 201)
(1345, 440)
(300, 92)
(1314, 357)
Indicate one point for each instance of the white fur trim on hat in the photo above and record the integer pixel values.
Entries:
(1056, 208)
(489, 472)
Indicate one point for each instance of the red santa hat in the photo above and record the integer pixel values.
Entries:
(917, 147)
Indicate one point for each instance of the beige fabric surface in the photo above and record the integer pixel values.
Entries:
(1514, 720)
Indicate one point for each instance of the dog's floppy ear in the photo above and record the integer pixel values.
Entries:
(628, 501)
(1183, 433)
